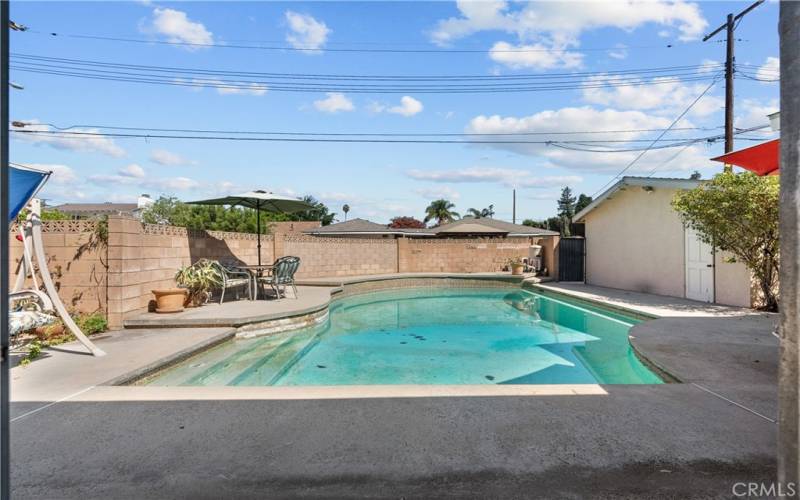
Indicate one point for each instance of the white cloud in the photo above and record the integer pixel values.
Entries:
(133, 170)
(224, 87)
(176, 26)
(334, 103)
(596, 122)
(168, 158)
(710, 66)
(770, 70)
(507, 177)
(164, 184)
(753, 113)
(61, 174)
(621, 52)
(534, 55)
(71, 140)
(306, 32)
(408, 107)
(665, 95)
(565, 21)
(545, 30)
(438, 193)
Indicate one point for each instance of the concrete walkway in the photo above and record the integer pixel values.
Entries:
(689, 440)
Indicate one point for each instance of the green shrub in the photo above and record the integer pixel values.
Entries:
(92, 323)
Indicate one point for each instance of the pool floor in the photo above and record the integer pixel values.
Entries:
(431, 336)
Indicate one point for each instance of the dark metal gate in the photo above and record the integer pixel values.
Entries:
(570, 259)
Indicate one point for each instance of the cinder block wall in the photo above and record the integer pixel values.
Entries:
(143, 257)
(457, 255)
(322, 257)
(77, 261)
(118, 277)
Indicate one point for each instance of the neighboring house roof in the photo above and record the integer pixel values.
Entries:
(488, 225)
(96, 208)
(644, 182)
(467, 225)
(359, 226)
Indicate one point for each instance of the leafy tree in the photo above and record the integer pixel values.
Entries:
(551, 224)
(696, 176)
(566, 203)
(566, 209)
(738, 213)
(319, 212)
(484, 212)
(345, 209)
(583, 202)
(441, 211)
(170, 210)
(54, 214)
(406, 222)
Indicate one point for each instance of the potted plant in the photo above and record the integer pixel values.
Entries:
(516, 265)
(199, 279)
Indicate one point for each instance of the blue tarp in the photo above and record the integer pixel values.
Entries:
(22, 186)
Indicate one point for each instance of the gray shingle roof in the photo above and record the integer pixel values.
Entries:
(467, 225)
(108, 207)
(500, 226)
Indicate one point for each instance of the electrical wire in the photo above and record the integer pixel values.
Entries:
(254, 45)
(398, 134)
(674, 122)
(642, 72)
(562, 144)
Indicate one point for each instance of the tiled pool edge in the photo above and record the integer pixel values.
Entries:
(138, 375)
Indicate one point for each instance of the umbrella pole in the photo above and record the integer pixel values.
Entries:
(258, 230)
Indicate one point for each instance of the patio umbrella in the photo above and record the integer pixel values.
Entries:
(23, 184)
(762, 159)
(260, 200)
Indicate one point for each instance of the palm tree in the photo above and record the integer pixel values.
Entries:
(485, 212)
(441, 211)
(345, 209)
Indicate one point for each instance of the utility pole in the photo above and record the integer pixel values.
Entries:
(514, 206)
(729, 26)
(788, 371)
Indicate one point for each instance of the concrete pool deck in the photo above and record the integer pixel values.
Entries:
(74, 437)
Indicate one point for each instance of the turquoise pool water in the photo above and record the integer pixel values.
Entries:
(432, 336)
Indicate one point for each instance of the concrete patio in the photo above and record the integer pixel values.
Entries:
(74, 437)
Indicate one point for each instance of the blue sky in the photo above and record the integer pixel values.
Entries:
(379, 181)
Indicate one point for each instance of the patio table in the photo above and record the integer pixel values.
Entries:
(256, 271)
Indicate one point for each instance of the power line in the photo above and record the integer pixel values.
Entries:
(563, 144)
(259, 86)
(398, 134)
(642, 72)
(674, 122)
(256, 45)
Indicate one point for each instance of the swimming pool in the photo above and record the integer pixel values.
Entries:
(431, 336)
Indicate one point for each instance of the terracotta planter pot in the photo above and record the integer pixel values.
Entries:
(516, 269)
(170, 300)
(45, 332)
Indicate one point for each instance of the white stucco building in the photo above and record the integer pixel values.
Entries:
(636, 241)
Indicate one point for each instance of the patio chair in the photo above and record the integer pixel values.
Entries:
(232, 278)
(282, 274)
